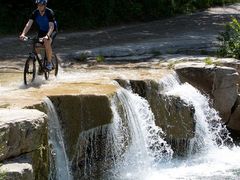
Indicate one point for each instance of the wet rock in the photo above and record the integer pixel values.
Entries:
(220, 83)
(80, 113)
(84, 120)
(171, 114)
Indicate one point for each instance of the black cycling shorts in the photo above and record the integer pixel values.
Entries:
(42, 34)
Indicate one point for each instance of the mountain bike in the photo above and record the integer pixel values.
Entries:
(30, 67)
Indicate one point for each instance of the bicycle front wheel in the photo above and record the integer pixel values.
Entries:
(46, 75)
(55, 64)
(29, 71)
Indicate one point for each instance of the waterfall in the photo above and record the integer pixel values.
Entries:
(146, 137)
(210, 132)
(145, 146)
(59, 165)
(131, 143)
(209, 156)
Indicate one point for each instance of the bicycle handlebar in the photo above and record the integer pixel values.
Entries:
(32, 39)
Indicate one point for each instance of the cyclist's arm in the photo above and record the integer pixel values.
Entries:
(26, 28)
(50, 30)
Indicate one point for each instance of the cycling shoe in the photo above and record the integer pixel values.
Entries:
(49, 66)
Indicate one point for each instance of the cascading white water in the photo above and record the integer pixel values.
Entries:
(146, 146)
(134, 147)
(132, 142)
(210, 133)
(59, 167)
(211, 159)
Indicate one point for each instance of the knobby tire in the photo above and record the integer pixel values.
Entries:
(29, 71)
(55, 64)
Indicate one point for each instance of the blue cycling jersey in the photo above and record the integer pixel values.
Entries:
(42, 21)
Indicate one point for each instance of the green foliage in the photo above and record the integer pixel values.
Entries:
(100, 58)
(208, 61)
(3, 175)
(85, 14)
(230, 40)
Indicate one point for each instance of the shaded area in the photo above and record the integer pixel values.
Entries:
(181, 33)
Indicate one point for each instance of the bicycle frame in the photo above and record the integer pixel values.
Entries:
(34, 54)
(30, 64)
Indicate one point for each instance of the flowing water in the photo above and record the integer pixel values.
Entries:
(59, 165)
(209, 132)
(209, 155)
(136, 146)
(146, 146)
(138, 150)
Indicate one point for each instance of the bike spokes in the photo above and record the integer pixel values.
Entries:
(29, 71)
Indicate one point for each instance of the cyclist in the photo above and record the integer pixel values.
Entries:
(47, 28)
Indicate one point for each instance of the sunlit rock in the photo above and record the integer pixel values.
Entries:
(21, 130)
(24, 131)
(220, 83)
(17, 169)
(230, 62)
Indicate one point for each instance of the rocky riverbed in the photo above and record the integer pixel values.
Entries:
(136, 57)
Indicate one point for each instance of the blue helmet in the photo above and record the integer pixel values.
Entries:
(41, 2)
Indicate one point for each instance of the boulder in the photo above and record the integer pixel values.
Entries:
(231, 62)
(171, 114)
(220, 83)
(17, 169)
(234, 122)
(84, 119)
(21, 131)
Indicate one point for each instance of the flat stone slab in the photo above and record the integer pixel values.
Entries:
(78, 80)
(17, 171)
(21, 131)
(19, 168)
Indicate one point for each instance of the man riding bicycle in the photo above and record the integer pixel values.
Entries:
(46, 23)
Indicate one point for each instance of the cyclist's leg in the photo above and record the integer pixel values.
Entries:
(48, 48)
(39, 44)
(53, 36)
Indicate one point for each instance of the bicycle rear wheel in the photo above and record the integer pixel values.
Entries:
(29, 71)
(46, 72)
(55, 64)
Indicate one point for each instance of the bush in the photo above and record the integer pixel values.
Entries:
(88, 14)
(100, 58)
(230, 40)
(208, 61)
